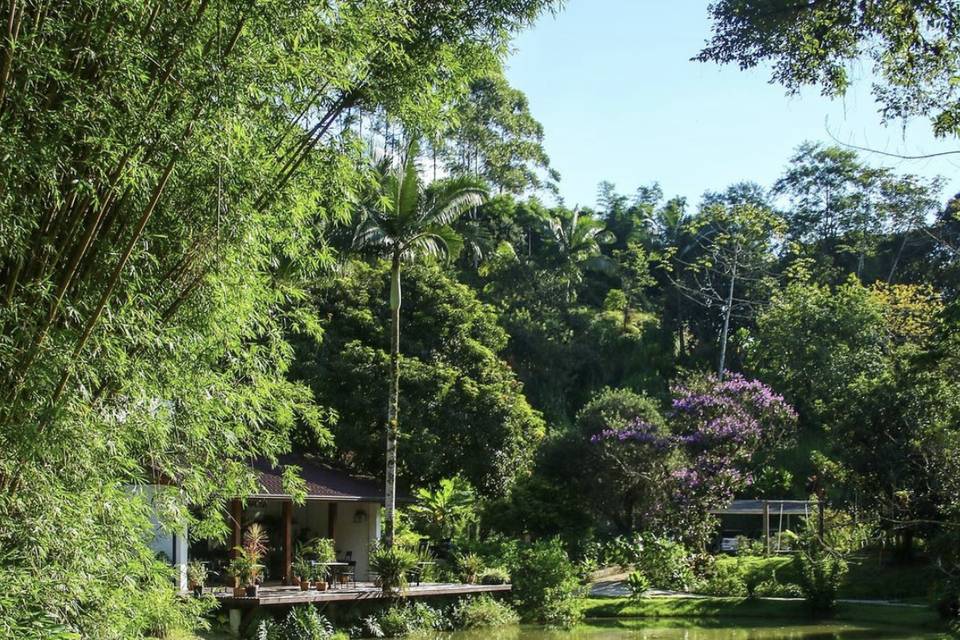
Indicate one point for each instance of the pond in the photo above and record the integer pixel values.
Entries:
(687, 629)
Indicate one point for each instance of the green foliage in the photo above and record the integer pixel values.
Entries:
(446, 511)
(302, 622)
(470, 565)
(168, 173)
(911, 47)
(392, 566)
(820, 573)
(483, 611)
(494, 575)
(545, 584)
(725, 580)
(452, 371)
(666, 563)
(404, 619)
(638, 584)
(197, 573)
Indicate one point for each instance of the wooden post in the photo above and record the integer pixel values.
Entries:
(287, 541)
(236, 523)
(766, 528)
(331, 520)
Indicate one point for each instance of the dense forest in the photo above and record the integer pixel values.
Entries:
(209, 212)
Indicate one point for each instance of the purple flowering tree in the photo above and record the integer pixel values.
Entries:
(718, 432)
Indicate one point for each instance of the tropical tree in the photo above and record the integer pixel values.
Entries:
(405, 220)
(577, 241)
(733, 262)
(445, 510)
(913, 47)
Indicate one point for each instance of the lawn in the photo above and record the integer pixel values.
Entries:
(680, 607)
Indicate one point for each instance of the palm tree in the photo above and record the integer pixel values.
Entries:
(404, 220)
(578, 244)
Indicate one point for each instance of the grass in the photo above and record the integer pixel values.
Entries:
(678, 607)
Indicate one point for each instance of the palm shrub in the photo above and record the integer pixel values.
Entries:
(470, 565)
(545, 585)
(392, 564)
(638, 583)
(446, 510)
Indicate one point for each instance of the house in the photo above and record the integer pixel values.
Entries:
(338, 505)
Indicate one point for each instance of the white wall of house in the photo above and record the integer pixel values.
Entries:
(356, 530)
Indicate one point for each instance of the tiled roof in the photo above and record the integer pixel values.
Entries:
(322, 482)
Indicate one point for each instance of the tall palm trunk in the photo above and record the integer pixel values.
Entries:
(393, 403)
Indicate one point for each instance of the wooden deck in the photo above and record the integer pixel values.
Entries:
(287, 596)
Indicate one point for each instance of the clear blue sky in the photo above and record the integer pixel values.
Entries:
(620, 100)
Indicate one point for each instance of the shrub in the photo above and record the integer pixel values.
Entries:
(545, 584)
(726, 580)
(638, 583)
(160, 610)
(750, 546)
(301, 623)
(666, 563)
(820, 574)
(392, 566)
(494, 575)
(622, 550)
(404, 619)
(483, 611)
(773, 588)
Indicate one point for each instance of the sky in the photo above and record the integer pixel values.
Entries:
(613, 85)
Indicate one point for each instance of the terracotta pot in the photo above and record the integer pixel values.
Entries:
(304, 585)
(321, 585)
(239, 592)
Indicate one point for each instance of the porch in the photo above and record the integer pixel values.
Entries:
(337, 505)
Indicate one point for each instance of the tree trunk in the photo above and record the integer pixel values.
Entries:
(726, 324)
(393, 403)
(896, 259)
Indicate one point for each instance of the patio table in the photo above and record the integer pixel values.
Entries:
(333, 566)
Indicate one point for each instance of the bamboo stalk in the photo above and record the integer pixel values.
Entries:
(115, 275)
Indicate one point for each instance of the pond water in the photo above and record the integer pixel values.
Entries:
(686, 629)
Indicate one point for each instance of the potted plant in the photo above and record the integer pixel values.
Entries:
(325, 551)
(301, 572)
(240, 569)
(245, 566)
(470, 567)
(196, 577)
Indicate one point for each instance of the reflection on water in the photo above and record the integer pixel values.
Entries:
(685, 629)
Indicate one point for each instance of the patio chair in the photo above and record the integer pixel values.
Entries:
(350, 572)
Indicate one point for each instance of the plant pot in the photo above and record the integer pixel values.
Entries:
(304, 585)
(239, 592)
(321, 585)
(197, 590)
(252, 590)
